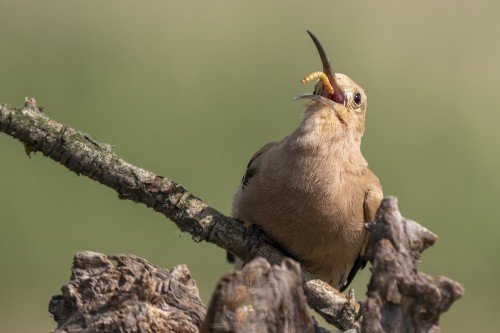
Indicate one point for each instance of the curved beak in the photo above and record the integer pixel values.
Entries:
(338, 95)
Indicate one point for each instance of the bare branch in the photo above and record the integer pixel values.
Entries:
(81, 154)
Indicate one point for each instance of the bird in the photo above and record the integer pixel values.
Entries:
(312, 192)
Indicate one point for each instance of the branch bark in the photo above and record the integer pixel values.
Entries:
(81, 154)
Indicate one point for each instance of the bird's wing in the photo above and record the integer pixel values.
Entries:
(254, 163)
(373, 197)
(251, 170)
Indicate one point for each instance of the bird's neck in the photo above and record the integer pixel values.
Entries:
(321, 133)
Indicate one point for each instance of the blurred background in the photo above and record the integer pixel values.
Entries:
(191, 90)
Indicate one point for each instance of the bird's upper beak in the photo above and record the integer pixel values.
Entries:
(321, 93)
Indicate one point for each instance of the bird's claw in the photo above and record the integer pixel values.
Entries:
(352, 300)
(356, 307)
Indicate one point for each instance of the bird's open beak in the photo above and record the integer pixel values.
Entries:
(324, 95)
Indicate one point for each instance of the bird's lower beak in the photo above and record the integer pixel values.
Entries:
(321, 93)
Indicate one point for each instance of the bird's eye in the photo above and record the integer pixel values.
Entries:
(357, 98)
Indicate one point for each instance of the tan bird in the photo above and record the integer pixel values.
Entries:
(313, 192)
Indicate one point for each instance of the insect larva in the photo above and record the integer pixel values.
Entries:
(322, 77)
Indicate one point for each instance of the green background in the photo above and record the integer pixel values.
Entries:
(191, 90)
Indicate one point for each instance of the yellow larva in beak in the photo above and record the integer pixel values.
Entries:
(322, 77)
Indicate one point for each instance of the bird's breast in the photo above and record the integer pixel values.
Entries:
(312, 206)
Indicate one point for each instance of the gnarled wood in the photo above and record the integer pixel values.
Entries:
(400, 298)
(260, 298)
(134, 296)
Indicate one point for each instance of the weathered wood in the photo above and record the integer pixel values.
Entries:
(134, 296)
(401, 299)
(260, 298)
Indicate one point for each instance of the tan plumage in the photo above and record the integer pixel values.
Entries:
(312, 192)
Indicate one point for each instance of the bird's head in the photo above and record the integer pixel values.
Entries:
(337, 96)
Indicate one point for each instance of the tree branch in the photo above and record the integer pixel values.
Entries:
(81, 154)
(400, 299)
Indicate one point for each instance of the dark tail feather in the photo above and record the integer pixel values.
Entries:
(230, 257)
